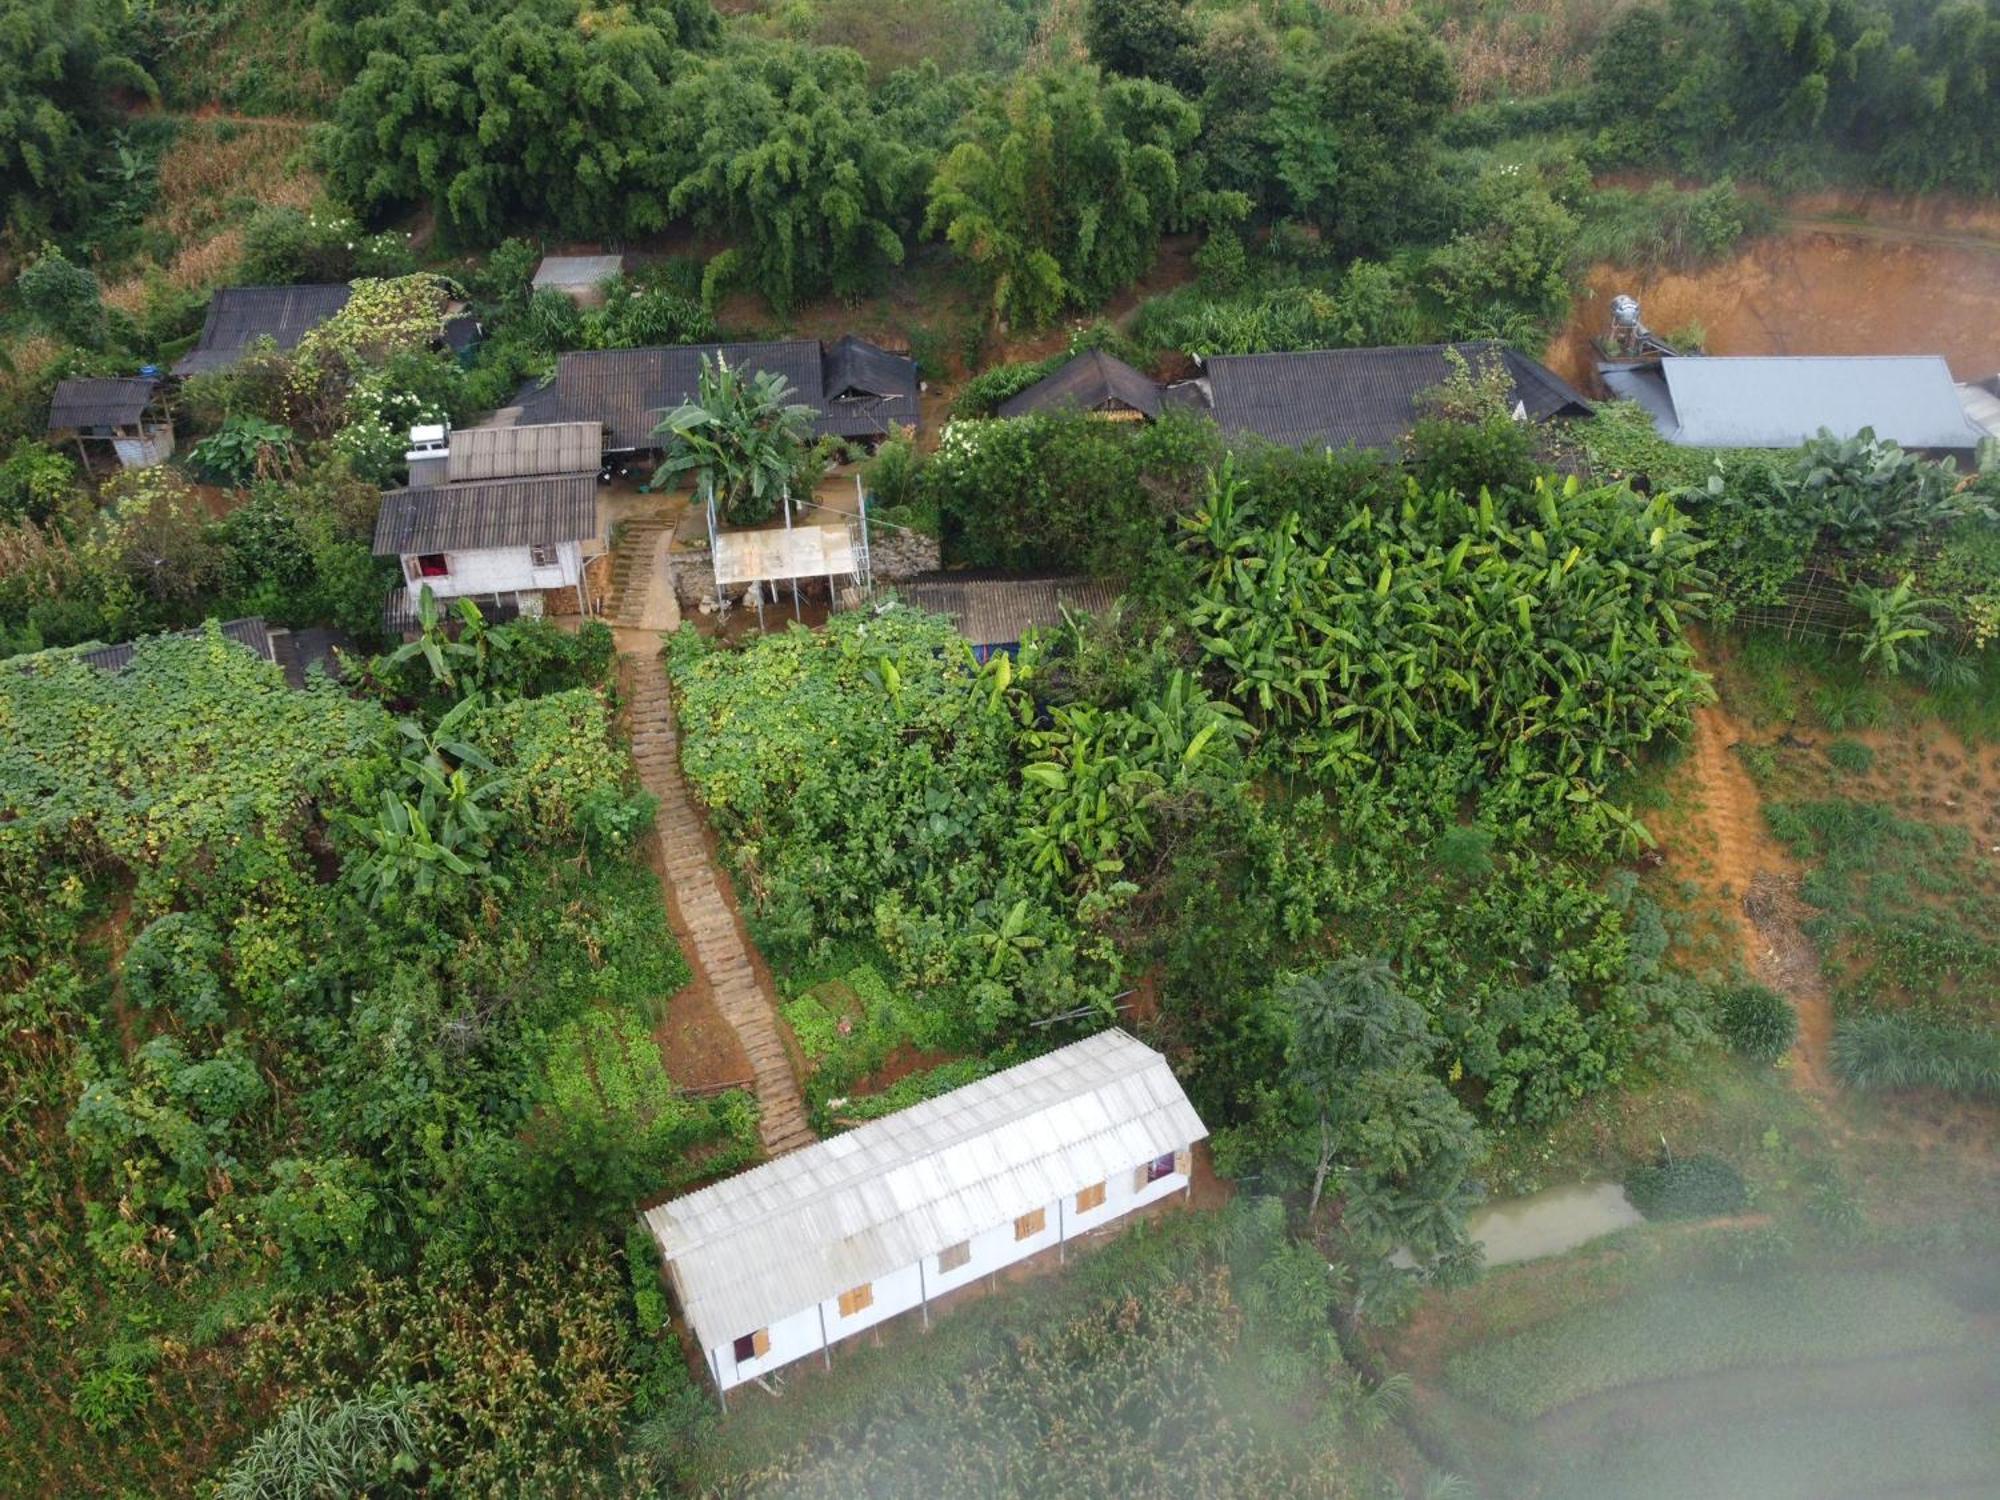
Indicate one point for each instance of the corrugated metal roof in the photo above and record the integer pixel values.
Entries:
(782, 1237)
(1366, 398)
(80, 404)
(487, 513)
(1000, 611)
(1981, 406)
(1093, 381)
(238, 316)
(577, 270)
(525, 452)
(1757, 401)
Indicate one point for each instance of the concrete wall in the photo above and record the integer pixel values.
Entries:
(499, 570)
(903, 1290)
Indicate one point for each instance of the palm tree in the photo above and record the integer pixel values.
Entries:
(741, 437)
(1895, 620)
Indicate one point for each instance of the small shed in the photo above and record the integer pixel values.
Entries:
(995, 613)
(121, 413)
(240, 316)
(790, 1258)
(580, 278)
(1093, 382)
(295, 652)
(1780, 401)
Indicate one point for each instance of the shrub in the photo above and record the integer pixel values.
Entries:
(1851, 756)
(1757, 1022)
(63, 298)
(1221, 265)
(1689, 1187)
(34, 481)
(243, 449)
(319, 1447)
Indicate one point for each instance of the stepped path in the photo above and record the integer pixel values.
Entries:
(705, 904)
(641, 597)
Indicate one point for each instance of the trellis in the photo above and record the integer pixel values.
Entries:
(1813, 606)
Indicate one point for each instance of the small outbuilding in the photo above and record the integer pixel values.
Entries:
(792, 1257)
(580, 278)
(295, 652)
(240, 316)
(1094, 382)
(994, 613)
(1780, 401)
(121, 413)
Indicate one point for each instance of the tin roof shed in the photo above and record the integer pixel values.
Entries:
(781, 1237)
(1779, 401)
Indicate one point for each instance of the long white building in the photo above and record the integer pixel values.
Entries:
(791, 1257)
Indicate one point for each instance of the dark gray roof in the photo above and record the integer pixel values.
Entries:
(1365, 398)
(298, 650)
(399, 610)
(1093, 381)
(250, 633)
(1000, 611)
(461, 332)
(629, 390)
(238, 316)
(487, 513)
(82, 404)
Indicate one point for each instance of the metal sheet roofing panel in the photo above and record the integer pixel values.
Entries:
(1780, 401)
(84, 403)
(777, 1239)
(487, 513)
(521, 452)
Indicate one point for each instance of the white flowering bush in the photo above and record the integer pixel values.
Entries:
(284, 245)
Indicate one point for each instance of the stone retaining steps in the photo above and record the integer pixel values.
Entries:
(707, 907)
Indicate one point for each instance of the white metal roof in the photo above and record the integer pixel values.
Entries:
(812, 551)
(1982, 406)
(793, 1232)
(1781, 401)
(579, 271)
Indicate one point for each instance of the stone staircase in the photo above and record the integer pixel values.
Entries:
(641, 596)
(708, 909)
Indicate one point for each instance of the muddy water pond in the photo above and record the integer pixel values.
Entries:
(1551, 1222)
(1814, 290)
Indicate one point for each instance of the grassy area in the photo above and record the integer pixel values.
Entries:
(1802, 1455)
(1680, 1331)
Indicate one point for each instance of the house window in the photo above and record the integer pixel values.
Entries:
(953, 1256)
(857, 1299)
(432, 565)
(1029, 1225)
(753, 1345)
(1161, 1166)
(1091, 1197)
(543, 554)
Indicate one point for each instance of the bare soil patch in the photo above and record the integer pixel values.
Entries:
(1821, 287)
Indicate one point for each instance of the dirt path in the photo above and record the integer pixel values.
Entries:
(1751, 871)
(705, 907)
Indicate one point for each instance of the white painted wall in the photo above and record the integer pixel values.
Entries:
(901, 1291)
(499, 570)
(897, 1292)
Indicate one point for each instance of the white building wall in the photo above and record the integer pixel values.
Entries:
(991, 1250)
(793, 1338)
(897, 1292)
(498, 570)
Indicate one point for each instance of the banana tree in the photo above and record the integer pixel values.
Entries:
(741, 439)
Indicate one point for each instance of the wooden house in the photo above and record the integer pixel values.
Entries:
(121, 414)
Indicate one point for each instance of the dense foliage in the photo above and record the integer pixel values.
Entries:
(266, 1087)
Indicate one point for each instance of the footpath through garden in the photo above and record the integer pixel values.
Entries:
(718, 947)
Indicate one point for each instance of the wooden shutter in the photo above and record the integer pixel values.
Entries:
(1031, 1224)
(953, 1256)
(855, 1299)
(1091, 1197)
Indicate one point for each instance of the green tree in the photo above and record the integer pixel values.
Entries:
(1351, 136)
(741, 438)
(63, 297)
(1062, 189)
(1359, 1055)
(541, 111)
(781, 145)
(1154, 39)
(59, 62)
